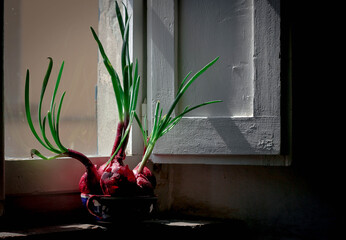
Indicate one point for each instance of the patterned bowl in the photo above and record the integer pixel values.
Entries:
(119, 209)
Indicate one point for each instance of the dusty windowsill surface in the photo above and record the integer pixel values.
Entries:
(52, 232)
(149, 228)
(54, 216)
(155, 229)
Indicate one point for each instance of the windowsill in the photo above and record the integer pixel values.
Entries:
(57, 231)
(69, 218)
(148, 228)
(55, 216)
(215, 159)
(159, 228)
(61, 175)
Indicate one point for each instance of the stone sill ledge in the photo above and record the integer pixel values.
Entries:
(148, 229)
(51, 232)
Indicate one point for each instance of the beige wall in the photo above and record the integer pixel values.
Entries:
(301, 199)
(37, 29)
(34, 31)
(60, 29)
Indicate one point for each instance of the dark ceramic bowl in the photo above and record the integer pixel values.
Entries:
(119, 209)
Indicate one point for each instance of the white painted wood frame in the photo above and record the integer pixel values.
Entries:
(219, 140)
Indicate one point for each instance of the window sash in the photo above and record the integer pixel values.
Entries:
(231, 136)
(27, 176)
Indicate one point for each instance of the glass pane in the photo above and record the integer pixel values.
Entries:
(34, 31)
(208, 29)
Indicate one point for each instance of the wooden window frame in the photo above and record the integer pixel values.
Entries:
(254, 140)
(22, 176)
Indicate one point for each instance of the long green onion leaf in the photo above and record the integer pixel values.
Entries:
(43, 89)
(120, 19)
(125, 59)
(183, 82)
(187, 109)
(62, 148)
(135, 75)
(183, 89)
(144, 134)
(114, 77)
(174, 121)
(56, 86)
(52, 119)
(51, 126)
(53, 114)
(52, 148)
(126, 12)
(164, 124)
(27, 111)
(126, 91)
(156, 120)
(37, 153)
(135, 88)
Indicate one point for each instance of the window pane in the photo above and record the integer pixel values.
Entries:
(35, 30)
(208, 29)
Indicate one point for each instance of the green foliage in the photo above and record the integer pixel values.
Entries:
(163, 124)
(126, 95)
(51, 116)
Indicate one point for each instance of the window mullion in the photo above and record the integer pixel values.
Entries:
(162, 53)
(2, 150)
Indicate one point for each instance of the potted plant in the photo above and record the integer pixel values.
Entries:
(113, 191)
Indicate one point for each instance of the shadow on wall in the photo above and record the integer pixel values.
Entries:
(161, 39)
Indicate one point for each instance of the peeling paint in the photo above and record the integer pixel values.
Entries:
(265, 144)
(252, 128)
